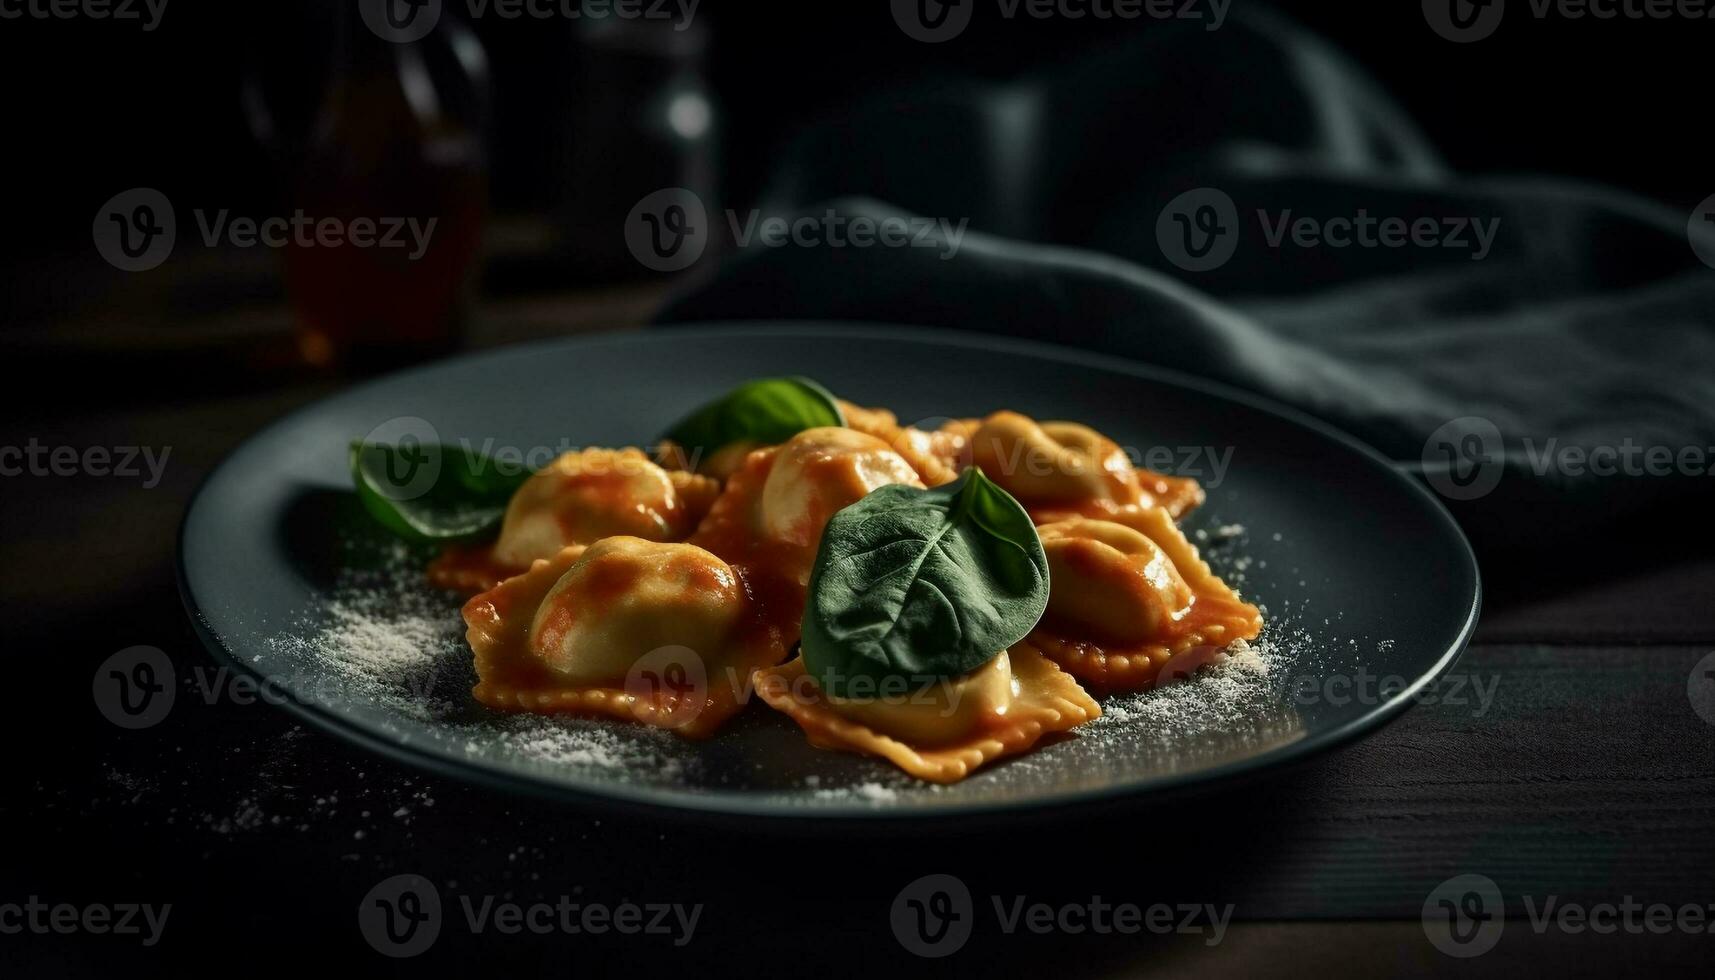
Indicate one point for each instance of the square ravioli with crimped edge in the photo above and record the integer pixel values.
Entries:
(1127, 599)
(627, 629)
(944, 738)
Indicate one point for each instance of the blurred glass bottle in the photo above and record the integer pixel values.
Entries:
(397, 146)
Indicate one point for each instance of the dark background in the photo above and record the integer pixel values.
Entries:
(1594, 782)
(96, 108)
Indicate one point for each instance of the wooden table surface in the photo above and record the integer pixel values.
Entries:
(1590, 778)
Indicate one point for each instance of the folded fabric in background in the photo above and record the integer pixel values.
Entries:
(1244, 205)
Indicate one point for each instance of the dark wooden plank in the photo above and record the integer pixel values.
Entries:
(1620, 599)
(1589, 777)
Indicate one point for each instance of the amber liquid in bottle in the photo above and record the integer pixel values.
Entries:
(394, 161)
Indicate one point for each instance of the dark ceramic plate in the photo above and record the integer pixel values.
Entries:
(1370, 589)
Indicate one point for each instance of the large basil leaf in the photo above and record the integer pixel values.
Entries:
(433, 493)
(922, 585)
(768, 411)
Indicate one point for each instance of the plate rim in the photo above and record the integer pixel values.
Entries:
(733, 804)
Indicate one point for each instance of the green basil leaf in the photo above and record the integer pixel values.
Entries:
(768, 411)
(922, 585)
(433, 493)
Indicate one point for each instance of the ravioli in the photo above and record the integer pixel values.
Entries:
(768, 521)
(585, 496)
(581, 498)
(665, 590)
(1125, 599)
(946, 731)
(1063, 469)
(655, 632)
(777, 503)
(937, 455)
(820, 471)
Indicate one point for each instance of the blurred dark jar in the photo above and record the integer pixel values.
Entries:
(392, 184)
(642, 118)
